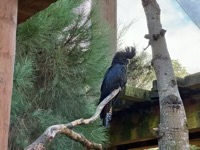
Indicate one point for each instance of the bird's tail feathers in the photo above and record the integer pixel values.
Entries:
(107, 119)
(106, 114)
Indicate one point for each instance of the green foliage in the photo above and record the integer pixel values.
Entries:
(141, 73)
(179, 70)
(194, 147)
(60, 61)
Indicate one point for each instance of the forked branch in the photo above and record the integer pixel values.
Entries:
(52, 131)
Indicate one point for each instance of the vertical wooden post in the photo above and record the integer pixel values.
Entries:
(8, 23)
(108, 10)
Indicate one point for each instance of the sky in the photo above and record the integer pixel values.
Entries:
(182, 36)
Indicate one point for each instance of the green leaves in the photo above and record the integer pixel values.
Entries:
(140, 71)
(60, 62)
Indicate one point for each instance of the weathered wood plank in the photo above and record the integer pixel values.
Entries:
(189, 81)
(28, 8)
(137, 114)
(108, 12)
(8, 23)
(193, 81)
(136, 94)
(130, 96)
(137, 122)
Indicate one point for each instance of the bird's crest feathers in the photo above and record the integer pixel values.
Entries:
(122, 56)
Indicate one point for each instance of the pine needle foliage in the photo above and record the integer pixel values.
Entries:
(60, 61)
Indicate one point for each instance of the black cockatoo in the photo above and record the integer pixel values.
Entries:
(115, 77)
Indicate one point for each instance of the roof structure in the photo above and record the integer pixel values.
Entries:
(27, 8)
(137, 113)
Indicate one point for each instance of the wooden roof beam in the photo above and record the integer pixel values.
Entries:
(136, 123)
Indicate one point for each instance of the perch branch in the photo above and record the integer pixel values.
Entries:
(50, 133)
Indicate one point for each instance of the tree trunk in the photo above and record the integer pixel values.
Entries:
(172, 131)
(108, 12)
(8, 23)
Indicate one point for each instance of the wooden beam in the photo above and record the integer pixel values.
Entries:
(108, 11)
(28, 8)
(193, 81)
(190, 81)
(153, 143)
(136, 94)
(131, 96)
(136, 123)
(8, 23)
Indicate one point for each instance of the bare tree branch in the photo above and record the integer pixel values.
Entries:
(52, 131)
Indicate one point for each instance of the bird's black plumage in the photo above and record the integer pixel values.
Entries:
(114, 78)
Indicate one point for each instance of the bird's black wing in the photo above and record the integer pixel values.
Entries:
(114, 78)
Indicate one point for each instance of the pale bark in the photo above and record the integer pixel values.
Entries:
(52, 131)
(172, 130)
(8, 24)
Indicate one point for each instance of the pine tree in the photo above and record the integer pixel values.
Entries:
(60, 61)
